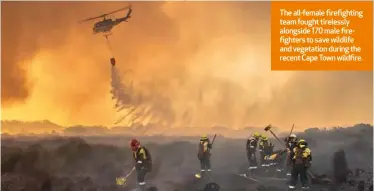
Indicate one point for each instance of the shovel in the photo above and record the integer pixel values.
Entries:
(121, 181)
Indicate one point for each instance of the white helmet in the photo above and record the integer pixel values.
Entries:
(292, 136)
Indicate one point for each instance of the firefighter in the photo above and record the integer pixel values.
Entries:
(266, 149)
(301, 161)
(204, 154)
(143, 161)
(291, 142)
(251, 150)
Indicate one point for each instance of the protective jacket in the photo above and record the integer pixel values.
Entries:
(290, 147)
(291, 144)
(251, 145)
(204, 149)
(142, 158)
(266, 147)
(302, 156)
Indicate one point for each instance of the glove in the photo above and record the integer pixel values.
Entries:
(139, 165)
(210, 145)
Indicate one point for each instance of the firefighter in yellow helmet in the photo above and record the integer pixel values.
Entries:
(251, 148)
(301, 161)
(204, 154)
(266, 149)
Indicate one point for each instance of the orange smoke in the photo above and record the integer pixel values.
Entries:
(203, 64)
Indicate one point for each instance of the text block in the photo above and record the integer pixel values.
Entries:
(321, 36)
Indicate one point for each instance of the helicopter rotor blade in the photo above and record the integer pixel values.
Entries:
(104, 15)
(93, 18)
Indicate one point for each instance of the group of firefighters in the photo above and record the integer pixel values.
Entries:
(299, 157)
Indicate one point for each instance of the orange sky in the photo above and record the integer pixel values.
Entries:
(56, 69)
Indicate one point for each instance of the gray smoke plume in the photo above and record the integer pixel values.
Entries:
(136, 108)
(120, 92)
(123, 94)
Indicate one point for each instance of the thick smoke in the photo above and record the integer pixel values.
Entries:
(193, 63)
(126, 102)
(135, 108)
(121, 93)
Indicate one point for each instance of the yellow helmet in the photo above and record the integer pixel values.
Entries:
(256, 135)
(263, 137)
(204, 137)
(302, 143)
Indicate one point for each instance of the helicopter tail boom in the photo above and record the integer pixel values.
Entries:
(125, 18)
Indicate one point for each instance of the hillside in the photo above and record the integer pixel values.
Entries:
(42, 128)
(92, 163)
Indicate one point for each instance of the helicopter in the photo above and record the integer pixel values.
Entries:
(105, 26)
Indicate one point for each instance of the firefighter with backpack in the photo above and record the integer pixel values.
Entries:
(301, 162)
(143, 161)
(266, 149)
(291, 142)
(251, 148)
(203, 155)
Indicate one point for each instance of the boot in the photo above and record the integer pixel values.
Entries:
(142, 186)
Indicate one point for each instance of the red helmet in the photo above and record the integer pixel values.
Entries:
(134, 144)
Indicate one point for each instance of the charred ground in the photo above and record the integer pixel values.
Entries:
(93, 163)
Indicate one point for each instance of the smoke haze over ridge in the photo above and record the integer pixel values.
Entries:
(204, 63)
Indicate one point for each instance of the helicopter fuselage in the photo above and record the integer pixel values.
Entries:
(104, 26)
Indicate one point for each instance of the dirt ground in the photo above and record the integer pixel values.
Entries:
(93, 163)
